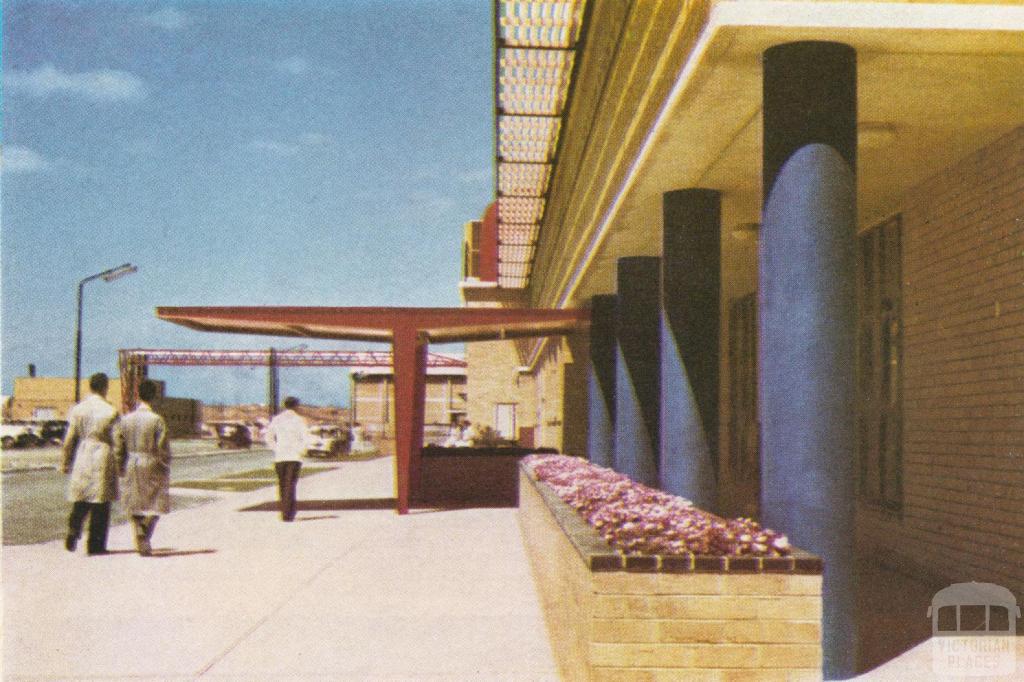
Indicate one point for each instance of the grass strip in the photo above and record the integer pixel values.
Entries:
(237, 482)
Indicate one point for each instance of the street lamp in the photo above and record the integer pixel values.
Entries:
(107, 276)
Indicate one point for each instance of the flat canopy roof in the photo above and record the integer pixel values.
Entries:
(438, 325)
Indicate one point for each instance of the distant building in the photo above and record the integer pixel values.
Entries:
(258, 413)
(43, 398)
(372, 401)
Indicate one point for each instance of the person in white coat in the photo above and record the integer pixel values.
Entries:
(286, 435)
(147, 457)
(90, 450)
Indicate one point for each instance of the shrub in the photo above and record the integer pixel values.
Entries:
(638, 519)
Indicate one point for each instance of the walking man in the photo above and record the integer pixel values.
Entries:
(90, 450)
(286, 434)
(147, 479)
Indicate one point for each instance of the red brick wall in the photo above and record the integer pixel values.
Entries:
(963, 370)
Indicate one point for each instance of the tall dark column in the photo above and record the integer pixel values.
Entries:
(807, 321)
(690, 291)
(637, 380)
(409, 357)
(273, 384)
(601, 382)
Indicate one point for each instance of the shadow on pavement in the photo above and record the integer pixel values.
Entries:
(374, 503)
(162, 553)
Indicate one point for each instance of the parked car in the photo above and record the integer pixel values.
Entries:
(231, 435)
(17, 435)
(53, 431)
(327, 440)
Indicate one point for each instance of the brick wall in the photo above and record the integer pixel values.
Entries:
(626, 625)
(492, 378)
(963, 370)
(574, 388)
(373, 399)
(549, 384)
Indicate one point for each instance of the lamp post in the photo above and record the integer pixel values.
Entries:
(273, 378)
(107, 276)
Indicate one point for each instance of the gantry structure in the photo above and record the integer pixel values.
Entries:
(134, 363)
(408, 330)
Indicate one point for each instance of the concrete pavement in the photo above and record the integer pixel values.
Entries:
(349, 591)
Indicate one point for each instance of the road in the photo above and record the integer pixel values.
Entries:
(34, 508)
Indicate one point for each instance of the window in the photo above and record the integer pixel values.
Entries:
(744, 459)
(879, 365)
(471, 251)
(946, 621)
(505, 420)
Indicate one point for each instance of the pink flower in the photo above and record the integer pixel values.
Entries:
(637, 519)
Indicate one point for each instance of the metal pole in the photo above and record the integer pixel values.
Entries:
(78, 341)
(273, 385)
(109, 276)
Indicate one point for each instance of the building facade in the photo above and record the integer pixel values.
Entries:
(799, 228)
(372, 401)
(46, 398)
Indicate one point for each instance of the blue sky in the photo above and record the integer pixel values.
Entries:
(239, 153)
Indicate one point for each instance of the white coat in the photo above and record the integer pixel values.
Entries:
(90, 451)
(286, 435)
(147, 478)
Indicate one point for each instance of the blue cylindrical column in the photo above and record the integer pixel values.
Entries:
(601, 382)
(638, 373)
(690, 291)
(807, 319)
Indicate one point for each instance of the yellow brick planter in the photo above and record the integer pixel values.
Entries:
(613, 617)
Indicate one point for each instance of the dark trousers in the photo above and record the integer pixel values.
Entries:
(287, 477)
(99, 520)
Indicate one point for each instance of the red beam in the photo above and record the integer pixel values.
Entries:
(489, 244)
(282, 358)
(439, 324)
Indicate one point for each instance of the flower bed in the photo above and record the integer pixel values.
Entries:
(617, 614)
(637, 519)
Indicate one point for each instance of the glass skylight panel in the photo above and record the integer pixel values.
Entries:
(535, 44)
(527, 138)
(506, 282)
(514, 269)
(534, 81)
(508, 253)
(523, 179)
(540, 23)
(520, 209)
(517, 234)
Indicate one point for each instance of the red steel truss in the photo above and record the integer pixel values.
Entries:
(281, 358)
(133, 362)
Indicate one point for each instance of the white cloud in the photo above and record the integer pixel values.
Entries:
(17, 159)
(294, 146)
(315, 139)
(293, 66)
(168, 18)
(430, 204)
(275, 147)
(476, 176)
(101, 85)
(300, 66)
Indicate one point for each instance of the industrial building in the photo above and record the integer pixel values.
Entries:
(46, 398)
(372, 400)
(775, 252)
(799, 230)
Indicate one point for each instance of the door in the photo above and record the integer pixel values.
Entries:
(505, 420)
